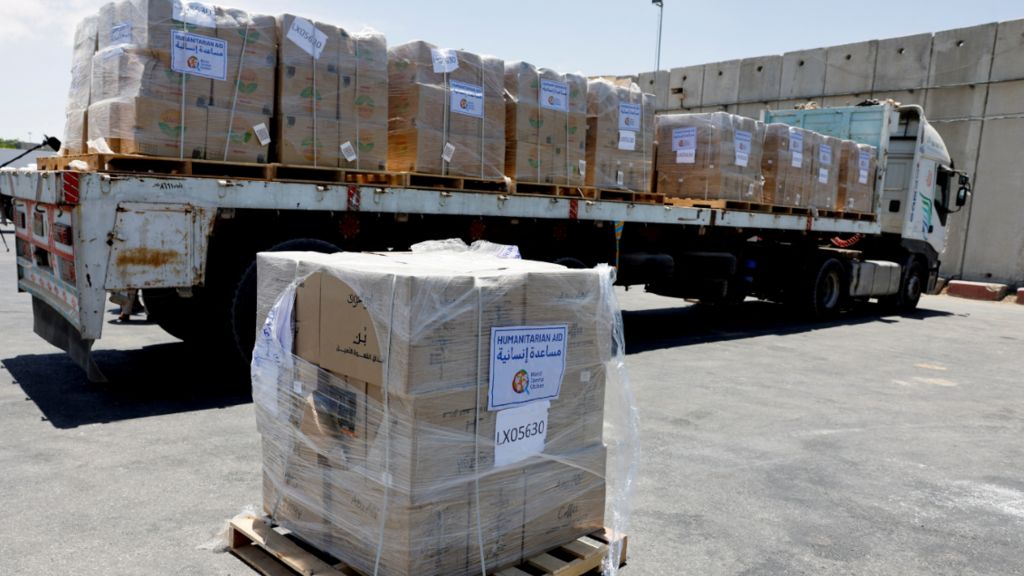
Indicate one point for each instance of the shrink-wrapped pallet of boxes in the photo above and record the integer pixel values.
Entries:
(332, 106)
(424, 412)
(825, 172)
(183, 80)
(447, 112)
(786, 165)
(545, 125)
(858, 165)
(715, 156)
(80, 91)
(620, 136)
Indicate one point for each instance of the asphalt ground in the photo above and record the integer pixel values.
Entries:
(868, 445)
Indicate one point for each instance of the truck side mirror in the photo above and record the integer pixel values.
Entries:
(961, 195)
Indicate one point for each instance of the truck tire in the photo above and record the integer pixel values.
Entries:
(243, 305)
(825, 290)
(912, 285)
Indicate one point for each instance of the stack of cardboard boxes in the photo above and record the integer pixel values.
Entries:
(332, 106)
(545, 126)
(143, 103)
(80, 91)
(857, 174)
(786, 165)
(710, 156)
(407, 428)
(447, 112)
(620, 136)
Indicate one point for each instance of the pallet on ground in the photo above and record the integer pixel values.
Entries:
(559, 190)
(616, 195)
(272, 551)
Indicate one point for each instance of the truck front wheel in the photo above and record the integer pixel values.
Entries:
(912, 285)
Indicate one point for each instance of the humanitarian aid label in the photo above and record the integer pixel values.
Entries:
(825, 154)
(863, 163)
(520, 432)
(554, 95)
(629, 116)
(306, 36)
(121, 33)
(741, 142)
(796, 148)
(684, 138)
(467, 99)
(823, 175)
(527, 364)
(444, 60)
(199, 55)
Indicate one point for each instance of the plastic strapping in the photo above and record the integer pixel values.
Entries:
(355, 81)
(386, 426)
(181, 133)
(476, 424)
(234, 100)
(312, 99)
(483, 113)
(539, 116)
(568, 111)
(444, 120)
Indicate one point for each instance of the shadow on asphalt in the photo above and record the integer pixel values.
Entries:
(661, 328)
(150, 381)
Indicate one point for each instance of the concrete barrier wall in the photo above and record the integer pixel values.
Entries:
(970, 82)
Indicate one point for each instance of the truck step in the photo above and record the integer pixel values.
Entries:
(272, 551)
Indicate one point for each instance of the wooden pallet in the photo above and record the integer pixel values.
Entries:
(560, 190)
(860, 216)
(717, 204)
(434, 181)
(613, 195)
(272, 551)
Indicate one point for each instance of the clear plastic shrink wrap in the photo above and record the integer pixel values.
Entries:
(79, 92)
(710, 156)
(441, 412)
(787, 165)
(620, 136)
(447, 112)
(825, 171)
(143, 103)
(332, 107)
(545, 125)
(857, 174)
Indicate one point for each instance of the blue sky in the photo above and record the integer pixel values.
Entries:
(589, 36)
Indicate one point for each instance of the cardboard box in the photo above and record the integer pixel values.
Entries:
(231, 137)
(76, 127)
(787, 165)
(149, 126)
(368, 140)
(305, 142)
(428, 106)
(364, 97)
(420, 151)
(710, 156)
(609, 164)
(303, 89)
(825, 159)
(565, 499)
(857, 174)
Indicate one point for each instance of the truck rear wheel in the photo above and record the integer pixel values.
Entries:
(179, 317)
(243, 305)
(825, 290)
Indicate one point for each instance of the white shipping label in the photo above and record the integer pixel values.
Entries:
(684, 138)
(796, 148)
(629, 116)
(444, 60)
(864, 162)
(620, 178)
(527, 364)
(199, 55)
(862, 176)
(825, 154)
(349, 152)
(583, 167)
(520, 432)
(262, 134)
(627, 140)
(467, 99)
(688, 156)
(823, 175)
(196, 13)
(448, 152)
(742, 140)
(554, 95)
(306, 36)
(121, 33)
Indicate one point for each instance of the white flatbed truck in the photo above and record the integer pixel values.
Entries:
(189, 243)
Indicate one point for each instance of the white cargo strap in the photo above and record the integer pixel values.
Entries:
(386, 425)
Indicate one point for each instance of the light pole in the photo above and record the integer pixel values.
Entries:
(657, 51)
